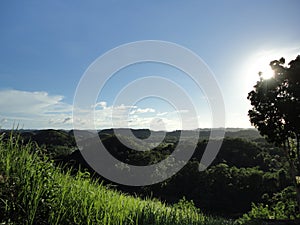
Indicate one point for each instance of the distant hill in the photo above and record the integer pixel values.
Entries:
(250, 134)
(66, 137)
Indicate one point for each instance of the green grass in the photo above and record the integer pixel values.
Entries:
(33, 191)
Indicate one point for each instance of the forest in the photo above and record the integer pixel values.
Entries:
(248, 180)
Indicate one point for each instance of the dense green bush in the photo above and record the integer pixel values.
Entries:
(281, 206)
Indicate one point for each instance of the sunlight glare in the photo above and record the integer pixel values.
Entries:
(267, 72)
(259, 62)
(261, 65)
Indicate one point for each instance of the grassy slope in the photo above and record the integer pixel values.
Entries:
(33, 191)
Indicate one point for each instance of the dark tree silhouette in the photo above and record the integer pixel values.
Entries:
(276, 111)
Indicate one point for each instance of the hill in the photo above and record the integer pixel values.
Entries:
(33, 191)
(246, 171)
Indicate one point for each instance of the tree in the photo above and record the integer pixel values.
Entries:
(276, 111)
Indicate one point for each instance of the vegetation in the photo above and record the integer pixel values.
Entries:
(281, 206)
(34, 191)
(241, 174)
(276, 112)
(248, 180)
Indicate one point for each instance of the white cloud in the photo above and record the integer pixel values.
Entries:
(161, 114)
(102, 104)
(39, 110)
(33, 109)
(15, 102)
(139, 110)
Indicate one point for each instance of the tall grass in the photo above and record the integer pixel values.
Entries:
(33, 191)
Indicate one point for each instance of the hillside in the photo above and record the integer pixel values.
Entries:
(33, 191)
(249, 178)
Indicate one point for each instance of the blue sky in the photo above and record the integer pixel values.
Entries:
(46, 46)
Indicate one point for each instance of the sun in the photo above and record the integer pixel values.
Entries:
(266, 72)
(261, 66)
(255, 65)
(258, 62)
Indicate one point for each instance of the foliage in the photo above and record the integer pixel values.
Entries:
(276, 111)
(276, 102)
(185, 204)
(243, 172)
(33, 191)
(281, 206)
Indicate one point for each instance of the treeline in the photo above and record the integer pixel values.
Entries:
(245, 171)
